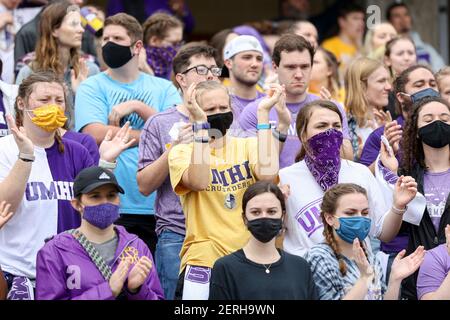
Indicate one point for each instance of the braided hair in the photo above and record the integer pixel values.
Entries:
(329, 206)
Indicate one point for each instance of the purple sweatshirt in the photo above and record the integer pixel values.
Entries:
(66, 272)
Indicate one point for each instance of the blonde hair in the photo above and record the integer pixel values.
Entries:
(440, 75)
(209, 85)
(355, 81)
(368, 50)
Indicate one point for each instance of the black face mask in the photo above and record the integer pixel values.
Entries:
(436, 134)
(219, 122)
(265, 229)
(116, 55)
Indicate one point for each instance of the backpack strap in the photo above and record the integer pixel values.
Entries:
(93, 253)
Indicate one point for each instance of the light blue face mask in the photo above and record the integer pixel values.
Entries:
(353, 227)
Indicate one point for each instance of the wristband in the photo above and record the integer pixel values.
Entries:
(107, 165)
(282, 137)
(26, 157)
(263, 126)
(197, 126)
(202, 139)
(399, 212)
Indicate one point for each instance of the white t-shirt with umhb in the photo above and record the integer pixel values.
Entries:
(304, 225)
(45, 208)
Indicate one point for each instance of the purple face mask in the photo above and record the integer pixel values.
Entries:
(160, 60)
(102, 215)
(322, 157)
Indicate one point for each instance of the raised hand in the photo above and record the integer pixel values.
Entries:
(365, 269)
(404, 267)
(119, 276)
(273, 97)
(393, 133)
(82, 75)
(111, 148)
(195, 111)
(325, 94)
(5, 213)
(285, 190)
(24, 143)
(139, 273)
(405, 190)
(381, 117)
(284, 115)
(387, 159)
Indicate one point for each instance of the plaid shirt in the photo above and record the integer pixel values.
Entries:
(331, 284)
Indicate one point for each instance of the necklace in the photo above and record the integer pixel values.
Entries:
(267, 267)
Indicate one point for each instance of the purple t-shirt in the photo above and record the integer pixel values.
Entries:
(436, 187)
(155, 140)
(433, 270)
(248, 121)
(85, 140)
(373, 144)
(238, 105)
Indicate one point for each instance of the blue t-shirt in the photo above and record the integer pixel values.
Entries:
(93, 103)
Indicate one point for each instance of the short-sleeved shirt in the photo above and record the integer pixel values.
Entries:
(238, 105)
(155, 140)
(304, 226)
(331, 284)
(45, 208)
(235, 277)
(249, 120)
(214, 225)
(436, 186)
(85, 140)
(433, 271)
(95, 99)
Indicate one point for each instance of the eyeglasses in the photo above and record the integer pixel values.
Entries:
(202, 70)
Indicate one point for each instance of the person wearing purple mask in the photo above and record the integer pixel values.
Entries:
(98, 260)
(319, 167)
(292, 60)
(163, 35)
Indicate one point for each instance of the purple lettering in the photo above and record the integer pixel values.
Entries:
(216, 177)
(28, 195)
(234, 172)
(198, 274)
(46, 193)
(247, 169)
(309, 224)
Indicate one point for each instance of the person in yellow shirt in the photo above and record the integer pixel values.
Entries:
(211, 175)
(347, 44)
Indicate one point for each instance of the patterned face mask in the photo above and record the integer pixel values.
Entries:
(323, 159)
(160, 59)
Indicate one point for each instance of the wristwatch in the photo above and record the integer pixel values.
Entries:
(282, 137)
(197, 126)
(26, 157)
(202, 139)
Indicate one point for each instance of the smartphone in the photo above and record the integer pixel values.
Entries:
(387, 145)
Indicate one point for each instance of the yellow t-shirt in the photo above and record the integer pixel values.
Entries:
(214, 225)
(344, 52)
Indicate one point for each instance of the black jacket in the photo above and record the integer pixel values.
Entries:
(423, 235)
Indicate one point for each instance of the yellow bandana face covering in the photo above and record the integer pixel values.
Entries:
(48, 117)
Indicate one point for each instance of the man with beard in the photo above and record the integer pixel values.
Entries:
(243, 56)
